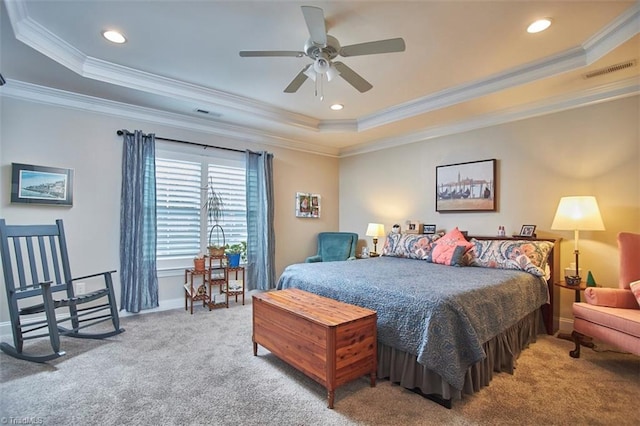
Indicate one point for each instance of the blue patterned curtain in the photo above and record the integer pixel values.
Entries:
(261, 236)
(138, 223)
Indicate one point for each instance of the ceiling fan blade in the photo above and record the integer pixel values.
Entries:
(352, 77)
(374, 47)
(297, 81)
(262, 53)
(314, 16)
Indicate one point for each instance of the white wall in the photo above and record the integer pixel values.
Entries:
(593, 150)
(86, 141)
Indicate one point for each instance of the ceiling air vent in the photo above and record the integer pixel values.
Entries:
(209, 113)
(610, 69)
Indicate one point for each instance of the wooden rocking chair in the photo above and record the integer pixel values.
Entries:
(36, 268)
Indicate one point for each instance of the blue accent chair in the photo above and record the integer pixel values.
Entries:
(335, 246)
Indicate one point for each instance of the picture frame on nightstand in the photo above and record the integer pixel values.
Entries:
(428, 229)
(528, 231)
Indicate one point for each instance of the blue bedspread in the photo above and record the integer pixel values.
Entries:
(441, 314)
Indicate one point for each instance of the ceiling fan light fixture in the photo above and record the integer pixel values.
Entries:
(322, 65)
(310, 72)
(332, 73)
(539, 25)
(114, 36)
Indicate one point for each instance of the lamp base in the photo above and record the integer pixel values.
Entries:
(572, 280)
(373, 254)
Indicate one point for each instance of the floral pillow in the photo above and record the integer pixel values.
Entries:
(450, 249)
(524, 255)
(412, 246)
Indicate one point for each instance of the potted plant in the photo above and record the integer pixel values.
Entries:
(199, 262)
(235, 252)
(214, 206)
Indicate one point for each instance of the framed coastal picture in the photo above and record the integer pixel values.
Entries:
(307, 205)
(466, 187)
(32, 184)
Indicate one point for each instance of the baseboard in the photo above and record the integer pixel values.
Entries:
(566, 325)
(7, 336)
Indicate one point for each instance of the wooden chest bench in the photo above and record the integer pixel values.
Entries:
(330, 341)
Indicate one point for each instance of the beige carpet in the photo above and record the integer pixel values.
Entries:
(175, 368)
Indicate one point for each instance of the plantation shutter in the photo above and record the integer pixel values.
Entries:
(178, 192)
(229, 182)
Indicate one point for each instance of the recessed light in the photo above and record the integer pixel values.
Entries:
(539, 25)
(114, 36)
(337, 107)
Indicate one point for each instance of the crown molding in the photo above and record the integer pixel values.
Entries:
(36, 36)
(48, 96)
(604, 93)
(565, 61)
(617, 32)
(614, 34)
(39, 38)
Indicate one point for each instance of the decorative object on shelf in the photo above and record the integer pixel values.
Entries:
(375, 230)
(591, 282)
(428, 229)
(214, 206)
(467, 187)
(396, 229)
(41, 185)
(571, 271)
(365, 252)
(236, 252)
(528, 231)
(501, 231)
(414, 228)
(198, 262)
(307, 205)
(577, 213)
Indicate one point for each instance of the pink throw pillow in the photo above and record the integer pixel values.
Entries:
(450, 248)
(635, 289)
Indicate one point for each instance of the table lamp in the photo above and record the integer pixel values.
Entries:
(578, 213)
(375, 230)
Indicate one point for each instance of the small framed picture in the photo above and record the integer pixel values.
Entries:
(414, 228)
(428, 229)
(41, 185)
(528, 231)
(307, 205)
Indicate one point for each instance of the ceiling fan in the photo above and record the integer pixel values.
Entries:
(323, 49)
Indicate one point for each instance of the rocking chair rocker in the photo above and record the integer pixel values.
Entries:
(35, 264)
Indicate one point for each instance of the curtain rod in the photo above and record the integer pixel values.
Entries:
(122, 132)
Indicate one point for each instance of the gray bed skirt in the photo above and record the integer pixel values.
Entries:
(502, 352)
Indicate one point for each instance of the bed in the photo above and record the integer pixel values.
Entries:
(445, 323)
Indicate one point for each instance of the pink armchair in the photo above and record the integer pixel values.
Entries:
(612, 315)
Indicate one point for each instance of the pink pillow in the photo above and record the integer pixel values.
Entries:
(635, 289)
(450, 248)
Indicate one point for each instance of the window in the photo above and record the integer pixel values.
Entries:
(182, 227)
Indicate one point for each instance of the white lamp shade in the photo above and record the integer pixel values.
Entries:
(578, 214)
(375, 230)
(310, 72)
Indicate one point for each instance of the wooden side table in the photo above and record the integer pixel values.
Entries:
(586, 341)
(576, 288)
(235, 289)
(196, 293)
